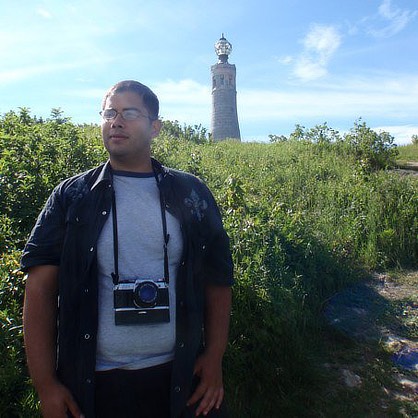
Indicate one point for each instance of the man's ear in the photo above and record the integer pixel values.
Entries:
(156, 127)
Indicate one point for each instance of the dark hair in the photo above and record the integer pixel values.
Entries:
(149, 98)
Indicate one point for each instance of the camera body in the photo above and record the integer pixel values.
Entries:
(141, 301)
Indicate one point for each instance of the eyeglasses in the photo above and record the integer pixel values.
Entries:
(127, 114)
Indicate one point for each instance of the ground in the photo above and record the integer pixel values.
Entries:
(372, 356)
(408, 168)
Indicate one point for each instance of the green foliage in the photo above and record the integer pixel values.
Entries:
(374, 151)
(414, 139)
(319, 134)
(306, 215)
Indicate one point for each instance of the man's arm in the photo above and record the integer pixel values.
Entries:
(208, 367)
(40, 332)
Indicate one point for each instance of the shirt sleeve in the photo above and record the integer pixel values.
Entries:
(218, 265)
(45, 242)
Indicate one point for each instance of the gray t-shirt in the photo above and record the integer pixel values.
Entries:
(141, 256)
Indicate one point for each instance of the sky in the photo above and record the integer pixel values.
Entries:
(303, 62)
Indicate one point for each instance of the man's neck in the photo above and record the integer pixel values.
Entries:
(135, 166)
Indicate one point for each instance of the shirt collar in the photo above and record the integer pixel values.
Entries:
(104, 175)
(159, 169)
(105, 172)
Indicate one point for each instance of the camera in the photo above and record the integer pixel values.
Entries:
(141, 301)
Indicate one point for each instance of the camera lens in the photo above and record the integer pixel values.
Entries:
(145, 294)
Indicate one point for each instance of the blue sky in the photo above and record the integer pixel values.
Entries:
(298, 61)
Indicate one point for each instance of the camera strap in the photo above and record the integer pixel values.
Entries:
(166, 236)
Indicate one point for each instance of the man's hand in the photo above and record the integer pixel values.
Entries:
(208, 367)
(56, 402)
(210, 390)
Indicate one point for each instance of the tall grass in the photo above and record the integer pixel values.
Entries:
(408, 153)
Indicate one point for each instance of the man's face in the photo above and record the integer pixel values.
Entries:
(128, 140)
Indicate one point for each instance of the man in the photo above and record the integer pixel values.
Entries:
(127, 263)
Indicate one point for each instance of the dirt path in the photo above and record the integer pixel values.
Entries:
(408, 168)
(374, 353)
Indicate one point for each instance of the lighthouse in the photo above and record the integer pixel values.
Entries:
(224, 95)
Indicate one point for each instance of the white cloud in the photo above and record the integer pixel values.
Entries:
(183, 90)
(403, 134)
(285, 60)
(320, 44)
(44, 13)
(390, 20)
(185, 100)
(323, 40)
(347, 99)
(307, 69)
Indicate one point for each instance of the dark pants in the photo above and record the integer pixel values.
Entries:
(141, 393)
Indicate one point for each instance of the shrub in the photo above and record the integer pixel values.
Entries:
(374, 151)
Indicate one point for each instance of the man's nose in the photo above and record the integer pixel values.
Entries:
(117, 121)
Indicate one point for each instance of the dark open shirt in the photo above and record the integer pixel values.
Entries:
(66, 235)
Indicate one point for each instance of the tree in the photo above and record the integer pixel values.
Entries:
(57, 115)
(322, 134)
(24, 116)
(197, 133)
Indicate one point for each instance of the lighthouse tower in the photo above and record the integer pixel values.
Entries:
(224, 95)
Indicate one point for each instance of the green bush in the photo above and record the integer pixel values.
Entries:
(34, 157)
(375, 151)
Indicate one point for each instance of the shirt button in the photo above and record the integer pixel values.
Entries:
(177, 389)
(87, 336)
(203, 247)
(104, 213)
(86, 290)
(88, 381)
(181, 345)
(91, 249)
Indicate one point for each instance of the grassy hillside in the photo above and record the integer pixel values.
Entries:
(307, 216)
(305, 220)
(408, 153)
